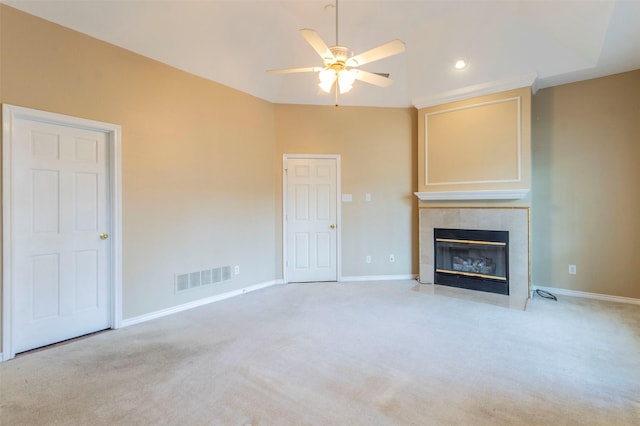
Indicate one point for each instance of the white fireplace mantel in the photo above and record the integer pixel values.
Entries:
(488, 194)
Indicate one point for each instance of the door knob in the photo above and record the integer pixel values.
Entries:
(104, 236)
(332, 226)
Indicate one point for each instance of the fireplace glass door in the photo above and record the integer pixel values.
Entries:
(472, 259)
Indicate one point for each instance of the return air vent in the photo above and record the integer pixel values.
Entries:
(194, 279)
(216, 275)
(205, 277)
(226, 273)
(190, 280)
(182, 282)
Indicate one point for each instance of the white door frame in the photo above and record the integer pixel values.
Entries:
(10, 113)
(336, 157)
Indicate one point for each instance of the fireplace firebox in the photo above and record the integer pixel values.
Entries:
(472, 259)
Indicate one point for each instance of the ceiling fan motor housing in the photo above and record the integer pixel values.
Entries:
(340, 55)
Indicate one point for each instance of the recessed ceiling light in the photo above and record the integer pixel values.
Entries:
(460, 64)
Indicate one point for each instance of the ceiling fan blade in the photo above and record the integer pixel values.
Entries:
(294, 70)
(314, 39)
(383, 51)
(375, 79)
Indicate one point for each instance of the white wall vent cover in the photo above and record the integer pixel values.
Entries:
(226, 273)
(190, 280)
(194, 279)
(182, 282)
(205, 277)
(216, 275)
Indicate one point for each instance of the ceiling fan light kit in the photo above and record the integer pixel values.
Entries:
(339, 68)
(336, 74)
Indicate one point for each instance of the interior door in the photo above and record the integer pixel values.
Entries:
(60, 237)
(311, 219)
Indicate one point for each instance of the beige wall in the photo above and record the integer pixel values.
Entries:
(586, 198)
(197, 190)
(378, 148)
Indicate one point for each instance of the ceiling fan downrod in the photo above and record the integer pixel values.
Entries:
(337, 44)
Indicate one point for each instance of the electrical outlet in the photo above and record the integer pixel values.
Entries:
(572, 269)
(236, 270)
(367, 259)
(392, 258)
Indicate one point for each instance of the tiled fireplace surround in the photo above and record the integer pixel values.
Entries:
(515, 220)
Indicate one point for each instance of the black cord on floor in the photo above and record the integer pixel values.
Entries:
(545, 294)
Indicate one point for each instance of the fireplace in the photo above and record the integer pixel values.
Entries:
(472, 259)
(514, 220)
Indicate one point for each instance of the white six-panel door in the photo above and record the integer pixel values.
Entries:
(60, 233)
(311, 219)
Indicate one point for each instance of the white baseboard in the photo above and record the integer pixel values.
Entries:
(586, 295)
(378, 278)
(196, 303)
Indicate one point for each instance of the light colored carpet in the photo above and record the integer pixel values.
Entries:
(373, 353)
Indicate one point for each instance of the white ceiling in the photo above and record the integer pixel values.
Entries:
(235, 42)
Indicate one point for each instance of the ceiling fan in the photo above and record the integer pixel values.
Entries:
(340, 69)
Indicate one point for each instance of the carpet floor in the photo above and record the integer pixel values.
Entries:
(375, 353)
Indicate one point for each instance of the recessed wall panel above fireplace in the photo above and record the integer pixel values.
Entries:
(479, 144)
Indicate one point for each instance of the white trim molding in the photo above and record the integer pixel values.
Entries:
(197, 303)
(486, 194)
(10, 113)
(527, 80)
(585, 295)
